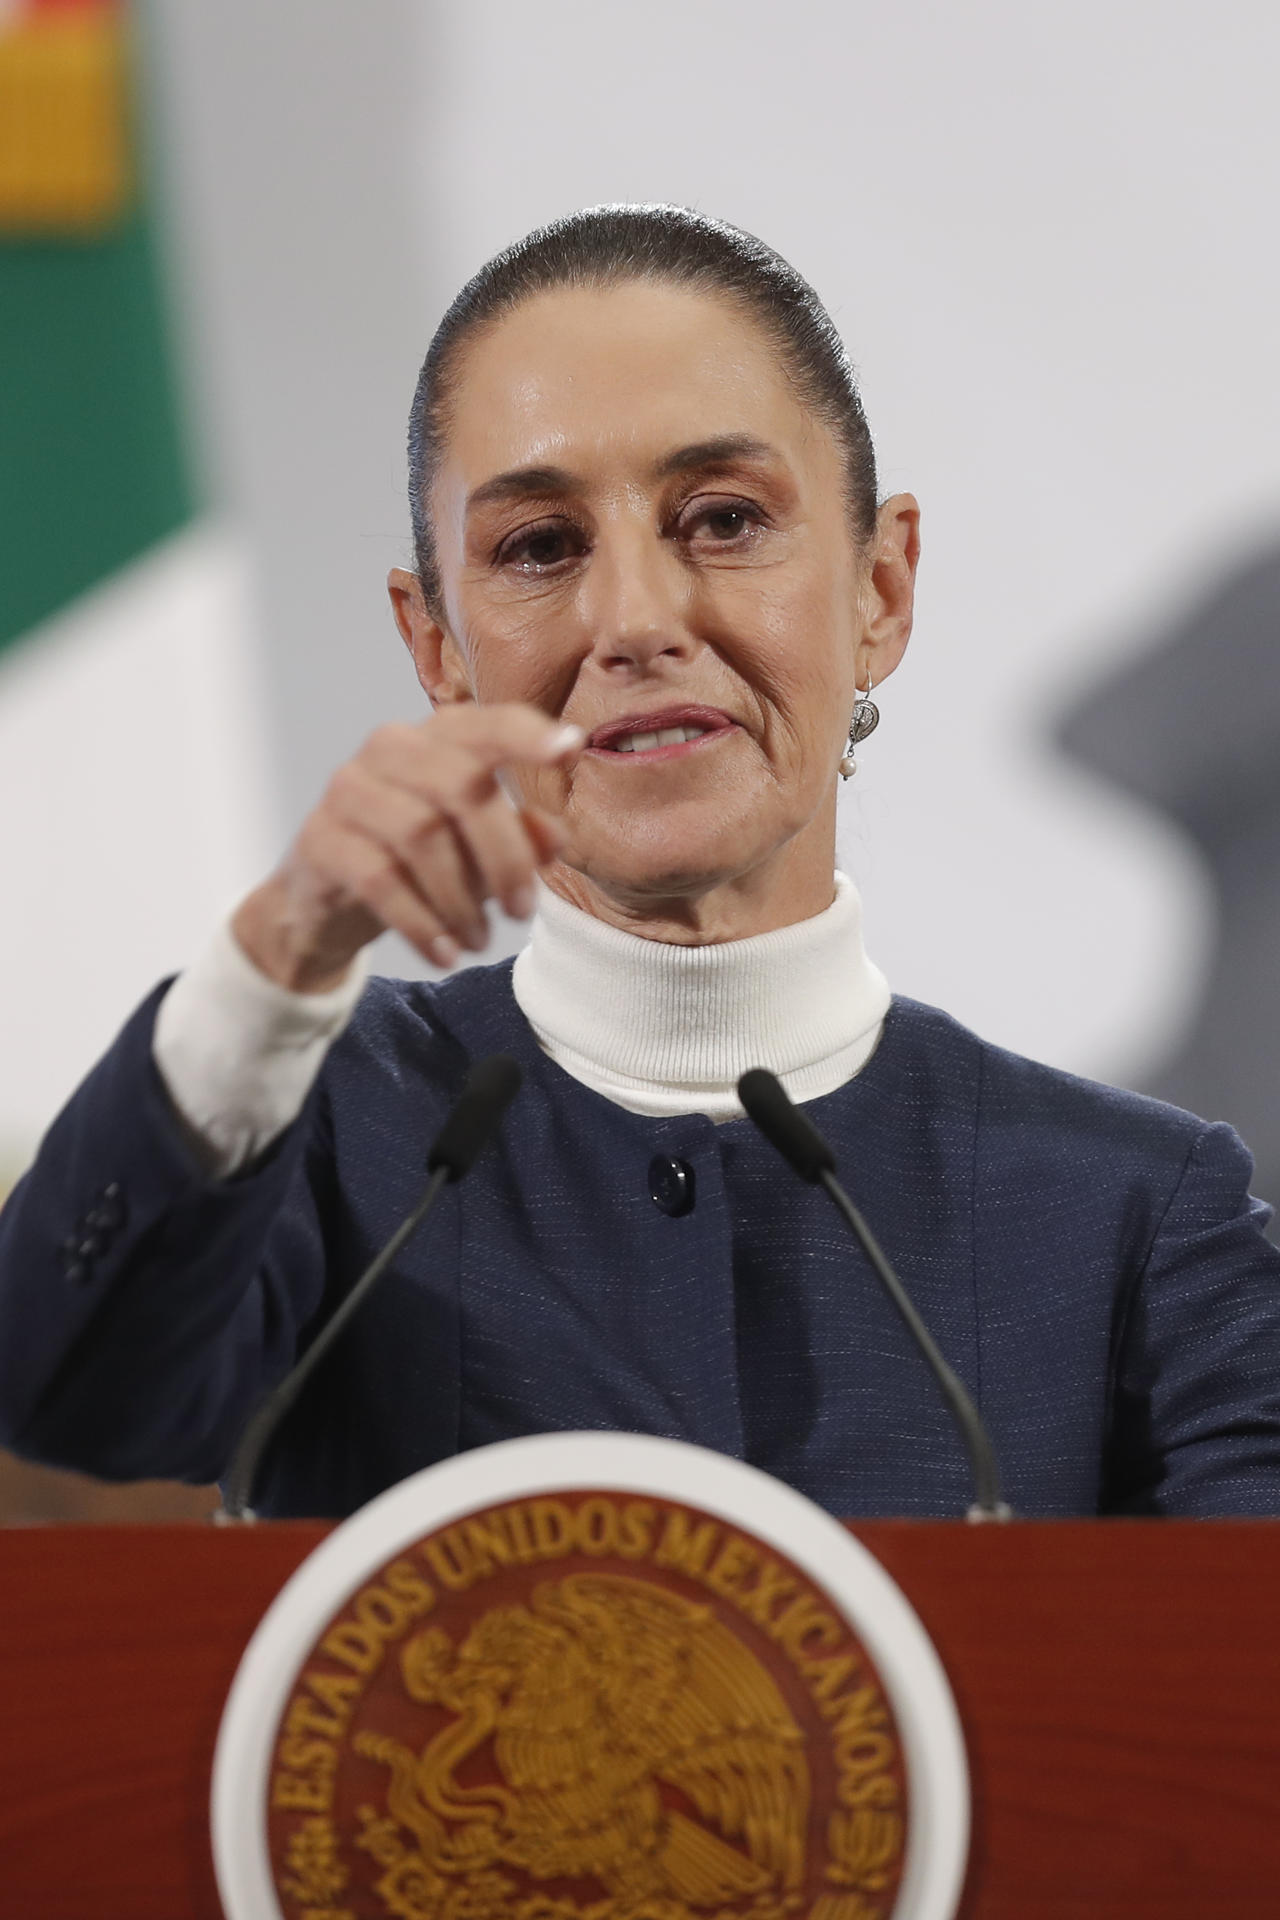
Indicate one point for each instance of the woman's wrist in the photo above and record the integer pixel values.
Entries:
(273, 937)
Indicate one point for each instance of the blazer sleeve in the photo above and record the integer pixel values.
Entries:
(145, 1305)
(1196, 1389)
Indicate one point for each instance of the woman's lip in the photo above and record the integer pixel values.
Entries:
(649, 754)
(711, 719)
(681, 713)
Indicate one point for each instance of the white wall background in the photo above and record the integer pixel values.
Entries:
(136, 803)
(1046, 233)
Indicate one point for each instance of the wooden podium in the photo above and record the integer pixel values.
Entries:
(1119, 1684)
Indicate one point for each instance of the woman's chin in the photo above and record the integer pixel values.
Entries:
(652, 875)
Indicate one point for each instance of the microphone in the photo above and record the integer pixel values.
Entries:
(469, 1126)
(796, 1138)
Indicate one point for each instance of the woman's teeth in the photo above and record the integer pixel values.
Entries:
(669, 737)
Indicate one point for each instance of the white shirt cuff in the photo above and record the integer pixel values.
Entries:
(238, 1053)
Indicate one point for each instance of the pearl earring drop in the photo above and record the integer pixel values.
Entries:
(866, 718)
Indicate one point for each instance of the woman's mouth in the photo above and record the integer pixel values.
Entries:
(662, 736)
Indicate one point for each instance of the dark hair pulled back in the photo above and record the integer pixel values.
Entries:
(602, 246)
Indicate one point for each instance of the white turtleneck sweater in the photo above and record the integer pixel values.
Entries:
(657, 1028)
(664, 1029)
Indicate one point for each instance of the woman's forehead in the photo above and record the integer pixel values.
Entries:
(591, 377)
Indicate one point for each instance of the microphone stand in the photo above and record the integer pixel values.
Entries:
(796, 1138)
(470, 1124)
(987, 1503)
(262, 1423)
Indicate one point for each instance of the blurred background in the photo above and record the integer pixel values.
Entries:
(1047, 233)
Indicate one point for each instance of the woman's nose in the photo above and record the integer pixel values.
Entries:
(635, 607)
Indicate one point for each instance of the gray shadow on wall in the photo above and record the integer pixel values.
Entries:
(309, 297)
(1192, 726)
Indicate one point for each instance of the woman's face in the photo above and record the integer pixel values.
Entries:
(640, 527)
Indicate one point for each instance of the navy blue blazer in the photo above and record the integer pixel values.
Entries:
(1089, 1263)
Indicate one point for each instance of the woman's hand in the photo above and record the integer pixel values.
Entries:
(414, 833)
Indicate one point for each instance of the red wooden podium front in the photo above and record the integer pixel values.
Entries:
(1119, 1684)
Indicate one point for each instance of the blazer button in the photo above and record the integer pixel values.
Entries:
(671, 1185)
(74, 1267)
(108, 1209)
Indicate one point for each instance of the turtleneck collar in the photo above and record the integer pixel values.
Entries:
(664, 1029)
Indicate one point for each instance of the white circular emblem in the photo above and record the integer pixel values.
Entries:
(501, 1588)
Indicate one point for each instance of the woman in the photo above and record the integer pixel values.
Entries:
(653, 583)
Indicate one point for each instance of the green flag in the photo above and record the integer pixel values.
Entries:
(92, 464)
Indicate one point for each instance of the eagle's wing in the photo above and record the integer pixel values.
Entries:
(682, 1697)
(737, 1752)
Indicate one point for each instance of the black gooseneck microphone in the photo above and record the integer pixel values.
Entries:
(796, 1138)
(491, 1086)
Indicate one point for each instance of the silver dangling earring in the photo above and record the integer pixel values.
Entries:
(866, 718)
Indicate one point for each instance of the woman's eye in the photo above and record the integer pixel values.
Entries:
(539, 548)
(732, 524)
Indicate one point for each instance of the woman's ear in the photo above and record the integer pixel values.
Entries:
(437, 657)
(891, 587)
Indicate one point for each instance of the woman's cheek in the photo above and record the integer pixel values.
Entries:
(509, 661)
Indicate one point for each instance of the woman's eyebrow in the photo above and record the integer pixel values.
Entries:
(523, 483)
(719, 452)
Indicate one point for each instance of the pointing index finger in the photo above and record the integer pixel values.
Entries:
(513, 732)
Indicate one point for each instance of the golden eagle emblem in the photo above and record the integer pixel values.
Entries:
(638, 1747)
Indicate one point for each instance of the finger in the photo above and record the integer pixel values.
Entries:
(423, 841)
(510, 731)
(496, 840)
(488, 826)
(457, 775)
(465, 746)
(375, 878)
